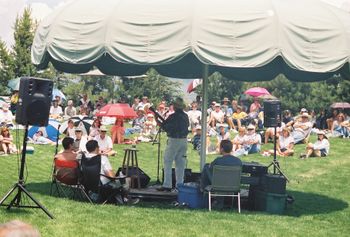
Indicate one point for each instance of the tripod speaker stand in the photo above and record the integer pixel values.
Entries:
(275, 163)
(272, 118)
(20, 186)
(33, 107)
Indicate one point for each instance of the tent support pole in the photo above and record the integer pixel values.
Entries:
(204, 115)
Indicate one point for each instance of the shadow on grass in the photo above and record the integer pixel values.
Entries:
(313, 203)
(304, 204)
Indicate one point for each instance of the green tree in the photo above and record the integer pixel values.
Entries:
(24, 29)
(220, 87)
(6, 68)
(155, 86)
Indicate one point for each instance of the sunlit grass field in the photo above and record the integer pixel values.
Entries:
(320, 188)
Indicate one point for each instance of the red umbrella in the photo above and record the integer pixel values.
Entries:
(123, 111)
(340, 105)
(256, 91)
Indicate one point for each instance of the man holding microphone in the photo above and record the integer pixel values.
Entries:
(176, 127)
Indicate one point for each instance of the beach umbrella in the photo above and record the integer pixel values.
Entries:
(341, 105)
(57, 92)
(80, 121)
(251, 40)
(50, 131)
(14, 83)
(256, 91)
(193, 84)
(118, 110)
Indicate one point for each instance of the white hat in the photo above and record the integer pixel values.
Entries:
(78, 129)
(198, 127)
(306, 115)
(320, 132)
(217, 105)
(303, 110)
(150, 115)
(103, 128)
(251, 126)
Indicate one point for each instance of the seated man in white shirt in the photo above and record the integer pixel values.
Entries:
(105, 142)
(55, 110)
(111, 184)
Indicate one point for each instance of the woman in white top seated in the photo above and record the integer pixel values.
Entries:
(239, 140)
(318, 149)
(285, 144)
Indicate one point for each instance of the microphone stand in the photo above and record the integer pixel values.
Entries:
(157, 139)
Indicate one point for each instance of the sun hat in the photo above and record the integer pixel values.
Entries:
(251, 126)
(305, 115)
(150, 115)
(303, 110)
(225, 99)
(77, 129)
(198, 127)
(103, 129)
(217, 105)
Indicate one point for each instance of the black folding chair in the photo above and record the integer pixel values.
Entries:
(91, 180)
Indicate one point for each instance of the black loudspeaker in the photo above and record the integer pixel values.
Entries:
(34, 102)
(187, 176)
(144, 178)
(271, 183)
(272, 113)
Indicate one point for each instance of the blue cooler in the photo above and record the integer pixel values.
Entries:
(190, 194)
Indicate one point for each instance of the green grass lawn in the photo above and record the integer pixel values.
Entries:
(320, 188)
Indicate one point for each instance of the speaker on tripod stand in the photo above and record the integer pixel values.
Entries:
(272, 118)
(33, 108)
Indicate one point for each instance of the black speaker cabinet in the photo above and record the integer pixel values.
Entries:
(132, 171)
(273, 184)
(187, 176)
(34, 102)
(272, 113)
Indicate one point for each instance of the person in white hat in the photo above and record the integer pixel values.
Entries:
(105, 143)
(302, 128)
(194, 116)
(318, 149)
(6, 116)
(176, 127)
(253, 140)
(79, 141)
(216, 116)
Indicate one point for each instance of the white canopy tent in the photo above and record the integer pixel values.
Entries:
(249, 40)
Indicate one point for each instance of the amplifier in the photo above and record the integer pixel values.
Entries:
(187, 177)
(271, 183)
(132, 171)
(254, 168)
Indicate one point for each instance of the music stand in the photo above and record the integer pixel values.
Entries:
(20, 185)
(275, 163)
